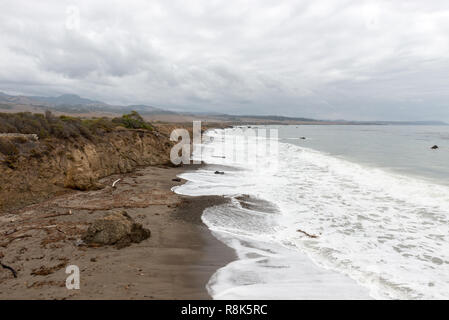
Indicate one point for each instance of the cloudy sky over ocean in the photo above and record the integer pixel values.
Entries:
(328, 59)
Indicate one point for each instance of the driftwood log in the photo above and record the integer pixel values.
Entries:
(308, 234)
(4, 266)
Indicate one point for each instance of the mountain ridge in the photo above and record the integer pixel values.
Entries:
(76, 104)
(73, 103)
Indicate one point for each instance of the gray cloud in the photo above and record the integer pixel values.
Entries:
(327, 59)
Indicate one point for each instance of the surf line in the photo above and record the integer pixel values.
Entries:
(192, 310)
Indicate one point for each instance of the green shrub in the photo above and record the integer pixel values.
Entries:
(133, 120)
(98, 125)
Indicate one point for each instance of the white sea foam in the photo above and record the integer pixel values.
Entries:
(385, 231)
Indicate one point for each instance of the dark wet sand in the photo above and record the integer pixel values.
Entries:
(175, 263)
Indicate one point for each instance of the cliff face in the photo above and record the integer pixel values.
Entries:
(40, 169)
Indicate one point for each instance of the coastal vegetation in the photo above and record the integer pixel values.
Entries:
(45, 154)
(63, 127)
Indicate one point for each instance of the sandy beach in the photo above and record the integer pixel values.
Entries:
(176, 262)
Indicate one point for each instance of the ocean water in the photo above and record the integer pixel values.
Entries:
(349, 212)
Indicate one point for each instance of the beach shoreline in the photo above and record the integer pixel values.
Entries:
(176, 262)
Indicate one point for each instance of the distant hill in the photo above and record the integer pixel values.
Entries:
(144, 109)
(414, 123)
(72, 103)
(66, 99)
(395, 123)
(273, 119)
(6, 98)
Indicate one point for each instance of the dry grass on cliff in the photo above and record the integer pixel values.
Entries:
(71, 153)
(64, 127)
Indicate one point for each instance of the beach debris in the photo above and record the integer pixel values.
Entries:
(307, 234)
(117, 229)
(53, 215)
(9, 240)
(176, 179)
(79, 242)
(115, 182)
(45, 271)
(4, 266)
(435, 147)
(219, 172)
(9, 232)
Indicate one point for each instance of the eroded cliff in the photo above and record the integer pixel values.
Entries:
(35, 170)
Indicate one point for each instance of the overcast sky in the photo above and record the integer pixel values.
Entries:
(328, 59)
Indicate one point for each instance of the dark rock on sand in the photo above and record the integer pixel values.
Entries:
(435, 147)
(176, 179)
(115, 229)
(219, 172)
